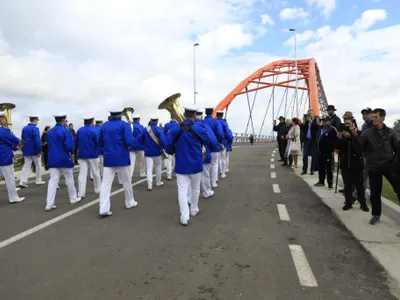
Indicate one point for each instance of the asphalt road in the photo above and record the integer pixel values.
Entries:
(236, 248)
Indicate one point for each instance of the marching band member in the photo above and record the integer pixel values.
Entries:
(8, 143)
(186, 141)
(136, 150)
(61, 149)
(116, 137)
(32, 152)
(142, 161)
(171, 158)
(205, 186)
(86, 141)
(153, 140)
(226, 141)
(100, 150)
(219, 134)
(228, 151)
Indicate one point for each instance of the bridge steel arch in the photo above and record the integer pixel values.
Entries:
(307, 70)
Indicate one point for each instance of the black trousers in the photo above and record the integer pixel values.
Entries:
(375, 185)
(282, 147)
(45, 156)
(325, 168)
(309, 149)
(353, 178)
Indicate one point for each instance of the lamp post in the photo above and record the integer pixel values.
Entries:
(194, 72)
(295, 67)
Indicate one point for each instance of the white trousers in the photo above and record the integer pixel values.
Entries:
(222, 161)
(133, 155)
(85, 165)
(101, 164)
(55, 174)
(156, 161)
(8, 174)
(214, 167)
(185, 183)
(170, 164)
(106, 184)
(227, 160)
(206, 180)
(142, 164)
(26, 168)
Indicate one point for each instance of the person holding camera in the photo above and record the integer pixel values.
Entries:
(351, 163)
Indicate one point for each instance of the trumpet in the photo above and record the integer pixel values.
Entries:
(7, 108)
(128, 112)
(172, 105)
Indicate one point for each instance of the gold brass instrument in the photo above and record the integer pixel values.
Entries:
(128, 112)
(172, 105)
(7, 108)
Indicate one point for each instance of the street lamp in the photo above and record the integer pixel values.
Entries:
(194, 72)
(295, 67)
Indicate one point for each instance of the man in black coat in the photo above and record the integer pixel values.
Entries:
(335, 120)
(309, 134)
(326, 144)
(352, 165)
(380, 145)
(280, 130)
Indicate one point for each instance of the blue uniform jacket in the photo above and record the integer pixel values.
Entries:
(137, 132)
(228, 137)
(116, 137)
(31, 137)
(61, 144)
(151, 149)
(8, 143)
(188, 155)
(229, 146)
(100, 150)
(168, 126)
(87, 142)
(216, 127)
(213, 146)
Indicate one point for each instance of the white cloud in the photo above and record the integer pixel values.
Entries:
(90, 56)
(357, 65)
(266, 19)
(327, 6)
(293, 14)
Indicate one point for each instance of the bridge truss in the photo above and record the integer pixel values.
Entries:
(309, 92)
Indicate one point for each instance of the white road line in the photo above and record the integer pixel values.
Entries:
(272, 159)
(48, 223)
(273, 154)
(283, 213)
(276, 188)
(272, 166)
(273, 175)
(303, 268)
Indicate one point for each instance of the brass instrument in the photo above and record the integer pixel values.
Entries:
(128, 112)
(7, 108)
(172, 105)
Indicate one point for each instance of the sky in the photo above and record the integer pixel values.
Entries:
(86, 57)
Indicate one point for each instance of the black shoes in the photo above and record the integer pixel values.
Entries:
(374, 220)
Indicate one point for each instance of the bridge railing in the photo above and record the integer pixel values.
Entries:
(241, 138)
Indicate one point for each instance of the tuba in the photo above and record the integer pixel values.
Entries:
(172, 105)
(127, 112)
(7, 108)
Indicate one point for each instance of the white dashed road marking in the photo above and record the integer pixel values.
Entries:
(276, 188)
(303, 268)
(272, 166)
(283, 213)
(50, 222)
(273, 155)
(273, 175)
(272, 159)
